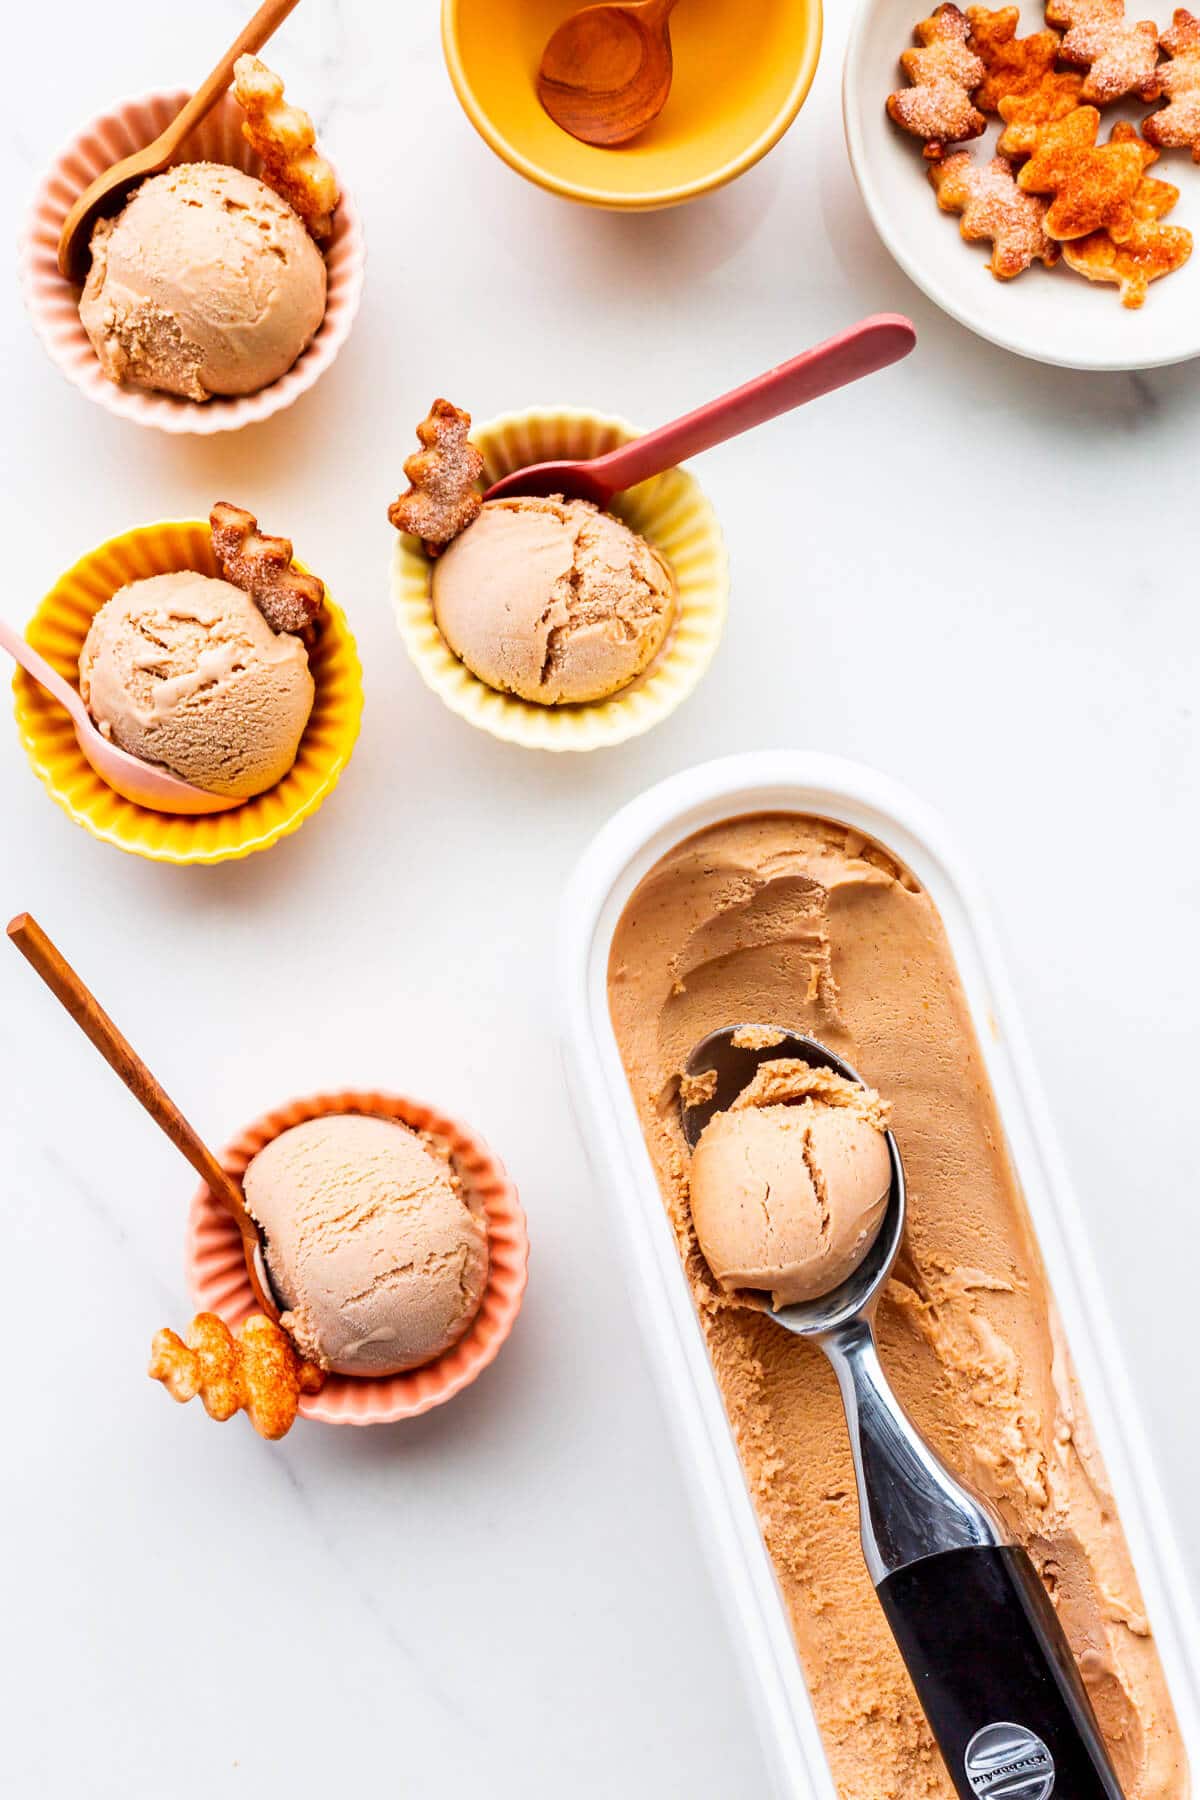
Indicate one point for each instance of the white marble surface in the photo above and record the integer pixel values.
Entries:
(974, 572)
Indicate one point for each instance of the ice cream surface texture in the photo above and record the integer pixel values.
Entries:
(372, 1245)
(552, 600)
(790, 918)
(206, 283)
(184, 671)
(789, 1187)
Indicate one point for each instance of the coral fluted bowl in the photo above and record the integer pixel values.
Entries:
(58, 629)
(53, 302)
(217, 1271)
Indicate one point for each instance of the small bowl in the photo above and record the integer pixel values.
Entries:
(1052, 315)
(738, 85)
(54, 302)
(58, 629)
(218, 1281)
(671, 512)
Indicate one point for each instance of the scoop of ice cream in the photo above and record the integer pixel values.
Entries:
(371, 1245)
(789, 1187)
(552, 600)
(206, 283)
(183, 670)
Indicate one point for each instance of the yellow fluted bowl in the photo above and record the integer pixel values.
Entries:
(58, 629)
(742, 73)
(670, 512)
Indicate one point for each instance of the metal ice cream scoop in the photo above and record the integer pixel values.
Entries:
(971, 1618)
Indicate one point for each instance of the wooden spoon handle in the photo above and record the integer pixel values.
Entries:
(870, 345)
(266, 21)
(95, 1023)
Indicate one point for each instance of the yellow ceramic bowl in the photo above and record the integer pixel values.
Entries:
(670, 512)
(742, 72)
(58, 629)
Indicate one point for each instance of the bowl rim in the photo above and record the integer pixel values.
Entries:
(594, 194)
(229, 412)
(1014, 341)
(526, 723)
(510, 1284)
(42, 763)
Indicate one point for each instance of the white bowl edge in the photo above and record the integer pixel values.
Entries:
(1053, 317)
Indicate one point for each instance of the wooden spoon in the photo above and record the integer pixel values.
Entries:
(87, 1013)
(861, 350)
(142, 782)
(606, 72)
(110, 188)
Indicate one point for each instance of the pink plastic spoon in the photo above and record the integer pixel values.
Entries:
(144, 783)
(866, 347)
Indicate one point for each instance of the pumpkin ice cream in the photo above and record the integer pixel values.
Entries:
(805, 923)
(552, 600)
(789, 1187)
(373, 1251)
(205, 283)
(184, 671)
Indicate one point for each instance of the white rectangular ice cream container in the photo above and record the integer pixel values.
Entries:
(632, 842)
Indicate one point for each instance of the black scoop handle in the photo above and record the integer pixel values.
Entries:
(996, 1678)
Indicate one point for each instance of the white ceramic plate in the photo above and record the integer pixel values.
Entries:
(1052, 315)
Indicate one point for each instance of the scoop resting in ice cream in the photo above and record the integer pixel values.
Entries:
(789, 1187)
(183, 670)
(793, 917)
(372, 1248)
(552, 600)
(206, 283)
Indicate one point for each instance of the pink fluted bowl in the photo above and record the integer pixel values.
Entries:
(218, 1281)
(54, 302)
